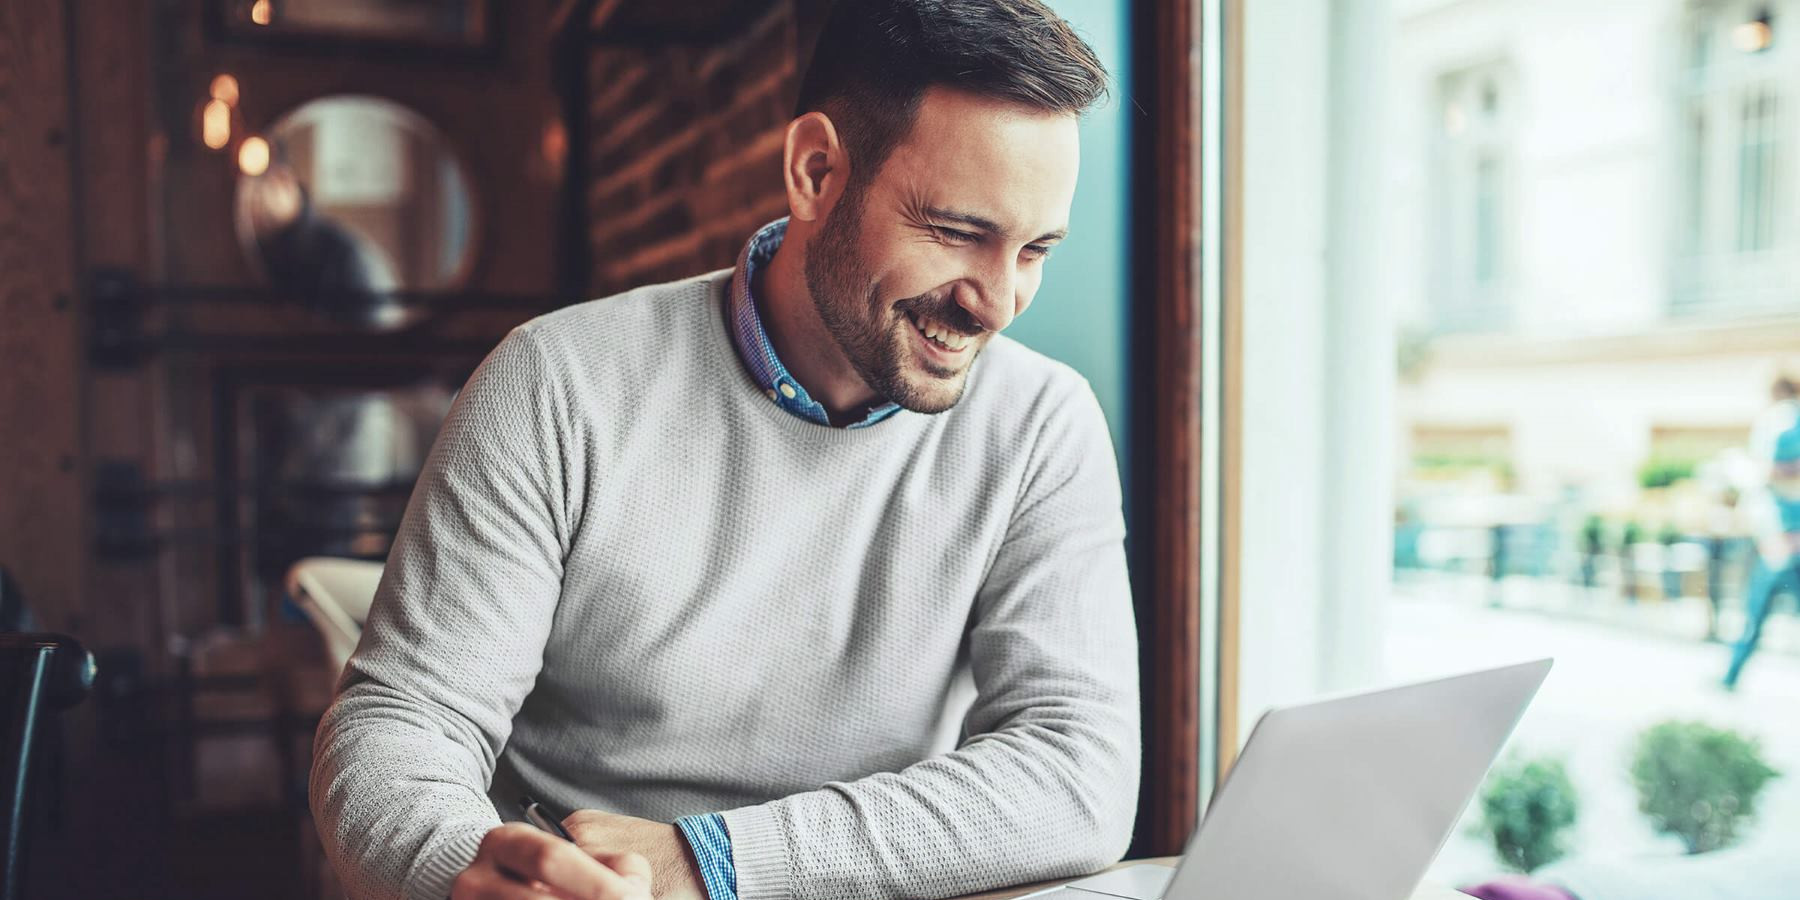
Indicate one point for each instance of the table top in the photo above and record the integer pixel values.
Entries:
(1425, 891)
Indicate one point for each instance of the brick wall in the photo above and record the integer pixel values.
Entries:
(685, 145)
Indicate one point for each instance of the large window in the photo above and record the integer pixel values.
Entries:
(1464, 222)
(1473, 146)
(1737, 220)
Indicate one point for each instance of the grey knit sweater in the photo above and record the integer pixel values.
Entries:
(627, 581)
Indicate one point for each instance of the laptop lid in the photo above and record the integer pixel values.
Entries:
(1352, 797)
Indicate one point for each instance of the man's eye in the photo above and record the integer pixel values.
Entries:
(954, 236)
(1037, 251)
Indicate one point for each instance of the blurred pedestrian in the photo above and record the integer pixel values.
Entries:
(1775, 516)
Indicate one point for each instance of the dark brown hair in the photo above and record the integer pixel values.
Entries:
(876, 58)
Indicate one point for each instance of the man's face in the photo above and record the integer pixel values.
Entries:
(913, 272)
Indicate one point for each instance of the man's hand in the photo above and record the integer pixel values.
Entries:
(672, 864)
(519, 862)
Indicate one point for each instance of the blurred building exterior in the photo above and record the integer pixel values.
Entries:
(1594, 229)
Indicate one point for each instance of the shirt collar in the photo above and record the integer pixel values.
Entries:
(752, 340)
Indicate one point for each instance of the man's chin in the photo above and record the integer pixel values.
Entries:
(928, 392)
(920, 385)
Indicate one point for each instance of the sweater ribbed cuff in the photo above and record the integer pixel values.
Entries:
(445, 856)
(759, 852)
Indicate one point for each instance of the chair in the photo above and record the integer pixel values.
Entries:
(335, 594)
(40, 674)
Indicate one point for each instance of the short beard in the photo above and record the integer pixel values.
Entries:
(854, 315)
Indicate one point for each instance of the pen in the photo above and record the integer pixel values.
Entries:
(534, 813)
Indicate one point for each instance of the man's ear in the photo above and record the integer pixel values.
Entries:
(815, 166)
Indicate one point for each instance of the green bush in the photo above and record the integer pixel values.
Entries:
(1662, 472)
(1462, 463)
(1697, 782)
(1526, 805)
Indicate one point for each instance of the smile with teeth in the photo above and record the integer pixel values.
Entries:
(939, 333)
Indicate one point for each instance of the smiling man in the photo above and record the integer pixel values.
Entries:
(703, 562)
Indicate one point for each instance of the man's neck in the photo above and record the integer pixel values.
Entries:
(805, 346)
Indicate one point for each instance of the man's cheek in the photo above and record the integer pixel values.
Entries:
(925, 270)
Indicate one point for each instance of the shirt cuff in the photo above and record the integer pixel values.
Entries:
(707, 837)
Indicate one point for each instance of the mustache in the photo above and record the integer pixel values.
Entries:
(943, 310)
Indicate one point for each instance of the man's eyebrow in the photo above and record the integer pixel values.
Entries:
(984, 224)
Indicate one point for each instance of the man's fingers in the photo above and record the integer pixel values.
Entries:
(632, 867)
(488, 883)
(533, 855)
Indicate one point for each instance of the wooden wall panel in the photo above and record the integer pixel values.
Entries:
(41, 509)
(110, 192)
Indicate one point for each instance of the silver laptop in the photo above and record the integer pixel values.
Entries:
(1348, 798)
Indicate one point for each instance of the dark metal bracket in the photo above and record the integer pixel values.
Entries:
(119, 307)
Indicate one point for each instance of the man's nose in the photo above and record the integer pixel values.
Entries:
(991, 295)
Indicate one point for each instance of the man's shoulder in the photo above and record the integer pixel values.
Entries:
(643, 314)
(621, 339)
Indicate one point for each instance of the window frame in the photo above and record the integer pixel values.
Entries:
(1716, 271)
(1188, 214)
(1466, 139)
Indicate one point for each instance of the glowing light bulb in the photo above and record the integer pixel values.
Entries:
(225, 90)
(215, 124)
(261, 12)
(253, 156)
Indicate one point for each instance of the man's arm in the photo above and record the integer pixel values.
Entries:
(1046, 784)
(454, 641)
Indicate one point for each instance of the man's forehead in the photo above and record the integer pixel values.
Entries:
(990, 164)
